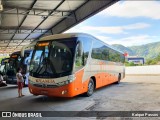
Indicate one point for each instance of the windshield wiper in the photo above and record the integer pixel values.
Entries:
(44, 64)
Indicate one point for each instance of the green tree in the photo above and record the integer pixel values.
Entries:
(130, 64)
(153, 61)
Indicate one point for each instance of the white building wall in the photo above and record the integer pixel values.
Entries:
(135, 61)
(151, 69)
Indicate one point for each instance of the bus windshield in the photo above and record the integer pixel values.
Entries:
(53, 59)
(13, 64)
(14, 61)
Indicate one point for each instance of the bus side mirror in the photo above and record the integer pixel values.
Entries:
(80, 49)
(27, 61)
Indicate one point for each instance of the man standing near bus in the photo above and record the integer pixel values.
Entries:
(20, 81)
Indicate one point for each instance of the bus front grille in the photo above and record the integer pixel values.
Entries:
(45, 86)
(37, 85)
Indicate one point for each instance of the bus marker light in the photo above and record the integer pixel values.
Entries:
(14, 56)
(43, 44)
(64, 92)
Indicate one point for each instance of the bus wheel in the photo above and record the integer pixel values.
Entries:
(119, 78)
(90, 87)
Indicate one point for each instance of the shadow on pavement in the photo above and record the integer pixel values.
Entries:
(8, 87)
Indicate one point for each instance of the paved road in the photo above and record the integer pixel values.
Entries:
(134, 93)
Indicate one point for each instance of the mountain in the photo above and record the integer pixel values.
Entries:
(147, 51)
(124, 49)
(150, 50)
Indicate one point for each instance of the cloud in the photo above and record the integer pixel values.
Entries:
(131, 41)
(136, 26)
(100, 33)
(131, 9)
(108, 29)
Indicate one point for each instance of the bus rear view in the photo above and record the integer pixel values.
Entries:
(62, 65)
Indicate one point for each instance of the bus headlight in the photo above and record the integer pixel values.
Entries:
(61, 83)
(31, 82)
(71, 78)
(67, 82)
(64, 83)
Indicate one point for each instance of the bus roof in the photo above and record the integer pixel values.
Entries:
(63, 35)
(71, 35)
(4, 60)
(18, 52)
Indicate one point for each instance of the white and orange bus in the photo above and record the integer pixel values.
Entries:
(66, 65)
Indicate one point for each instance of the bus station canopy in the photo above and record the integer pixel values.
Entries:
(23, 21)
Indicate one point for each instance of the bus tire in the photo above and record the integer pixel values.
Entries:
(119, 79)
(90, 87)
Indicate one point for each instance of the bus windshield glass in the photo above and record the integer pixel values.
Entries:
(53, 59)
(14, 61)
(13, 64)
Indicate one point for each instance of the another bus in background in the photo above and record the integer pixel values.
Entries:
(3, 67)
(16, 61)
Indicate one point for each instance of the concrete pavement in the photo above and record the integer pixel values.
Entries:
(134, 93)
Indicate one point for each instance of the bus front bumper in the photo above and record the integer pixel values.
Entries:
(62, 91)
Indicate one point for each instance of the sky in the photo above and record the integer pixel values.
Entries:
(129, 23)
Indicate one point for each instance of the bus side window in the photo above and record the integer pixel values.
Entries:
(122, 58)
(105, 54)
(114, 56)
(100, 51)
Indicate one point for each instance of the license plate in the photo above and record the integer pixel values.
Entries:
(44, 92)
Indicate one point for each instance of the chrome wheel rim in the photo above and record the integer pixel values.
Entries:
(91, 87)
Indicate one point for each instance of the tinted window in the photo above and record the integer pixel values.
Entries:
(82, 52)
(114, 56)
(100, 51)
(61, 55)
(55, 59)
